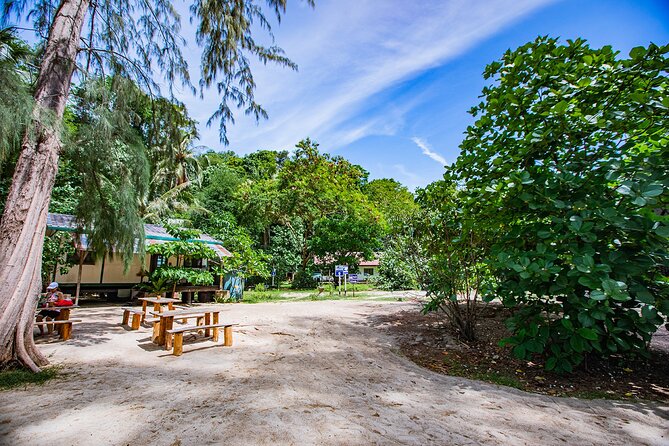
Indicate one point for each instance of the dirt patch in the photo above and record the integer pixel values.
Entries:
(303, 373)
(427, 341)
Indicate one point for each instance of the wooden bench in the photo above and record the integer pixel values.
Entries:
(156, 323)
(66, 329)
(137, 314)
(178, 334)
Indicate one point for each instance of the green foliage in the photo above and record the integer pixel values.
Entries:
(246, 260)
(567, 167)
(394, 201)
(457, 247)
(58, 252)
(173, 274)
(109, 155)
(16, 102)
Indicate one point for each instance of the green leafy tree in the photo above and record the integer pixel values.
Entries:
(567, 165)
(186, 247)
(320, 190)
(456, 248)
(393, 200)
(124, 38)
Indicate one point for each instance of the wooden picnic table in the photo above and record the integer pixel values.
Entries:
(167, 319)
(157, 304)
(63, 314)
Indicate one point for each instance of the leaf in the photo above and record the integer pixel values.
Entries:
(588, 333)
(597, 295)
(638, 52)
(577, 344)
(662, 230)
(560, 107)
(551, 363)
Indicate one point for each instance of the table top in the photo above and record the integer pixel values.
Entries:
(159, 300)
(194, 310)
(69, 307)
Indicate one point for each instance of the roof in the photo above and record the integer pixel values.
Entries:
(374, 262)
(153, 233)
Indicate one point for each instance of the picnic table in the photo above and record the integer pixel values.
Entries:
(64, 329)
(167, 320)
(157, 304)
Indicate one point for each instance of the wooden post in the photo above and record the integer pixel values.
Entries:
(126, 316)
(215, 330)
(207, 321)
(82, 256)
(136, 320)
(144, 310)
(227, 335)
(178, 344)
(66, 331)
(156, 331)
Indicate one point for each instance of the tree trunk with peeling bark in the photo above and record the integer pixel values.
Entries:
(23, 222)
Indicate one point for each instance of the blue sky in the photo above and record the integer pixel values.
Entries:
(387, 83)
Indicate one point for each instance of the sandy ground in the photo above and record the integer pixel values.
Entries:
(303, 373)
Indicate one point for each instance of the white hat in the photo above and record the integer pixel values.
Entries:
(52, 286)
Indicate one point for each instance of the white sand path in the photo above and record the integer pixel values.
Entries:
(307, 373)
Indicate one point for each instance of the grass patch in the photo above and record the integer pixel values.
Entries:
(13, 378)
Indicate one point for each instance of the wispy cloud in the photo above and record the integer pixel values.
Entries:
(349, 51)
(427, 150)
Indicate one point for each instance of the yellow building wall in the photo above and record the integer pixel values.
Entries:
(113, 271)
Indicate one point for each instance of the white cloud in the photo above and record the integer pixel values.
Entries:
(348, 51)
(427, 150)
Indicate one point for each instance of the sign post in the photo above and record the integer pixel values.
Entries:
(273, 274)
(353, 278)
(341, 271)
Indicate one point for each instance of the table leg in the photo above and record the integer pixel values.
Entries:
(207, 321)
(144, 310)
(63, 315)
(170, 306)
(215, 330)
(157, 308)
(169, 323)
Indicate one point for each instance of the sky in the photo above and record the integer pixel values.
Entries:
(387, 83)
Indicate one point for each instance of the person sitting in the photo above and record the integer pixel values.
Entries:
(54, 298)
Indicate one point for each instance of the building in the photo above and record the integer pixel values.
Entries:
(108, 275)
(368, 268)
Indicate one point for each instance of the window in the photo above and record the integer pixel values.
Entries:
(157, 261)
(368, 271)
(192, 263)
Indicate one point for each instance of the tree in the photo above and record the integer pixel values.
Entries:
(567, 165)
(393, 200)
(185, 248)
(319, 189)
(456, 247)
(115, 32)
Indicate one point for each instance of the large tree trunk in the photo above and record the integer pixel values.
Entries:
(24, 220)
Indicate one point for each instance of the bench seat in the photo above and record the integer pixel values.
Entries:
(66, 329)
(178, 334)
(137, 314)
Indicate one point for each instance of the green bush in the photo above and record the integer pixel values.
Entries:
(567, 165)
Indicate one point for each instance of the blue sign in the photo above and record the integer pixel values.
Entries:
(353, 278)
(273, 272)
(339, 273)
